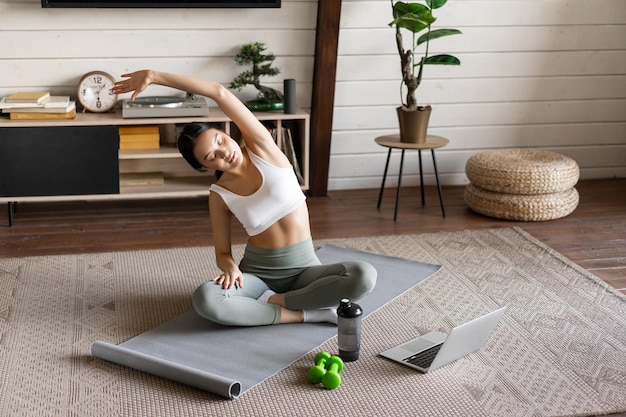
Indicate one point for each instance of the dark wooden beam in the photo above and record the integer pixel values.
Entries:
(323, 97)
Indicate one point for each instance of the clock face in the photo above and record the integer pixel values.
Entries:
(94, 92)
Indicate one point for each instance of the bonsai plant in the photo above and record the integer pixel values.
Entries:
(267, 97)
(417, 17)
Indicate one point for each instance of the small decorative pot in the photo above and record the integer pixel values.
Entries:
(256, 105)
(413, 124)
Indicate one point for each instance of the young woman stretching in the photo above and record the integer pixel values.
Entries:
(279, 279)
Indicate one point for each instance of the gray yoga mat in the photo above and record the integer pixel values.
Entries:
(228, 361)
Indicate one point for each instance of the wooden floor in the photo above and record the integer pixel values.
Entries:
(594, 236)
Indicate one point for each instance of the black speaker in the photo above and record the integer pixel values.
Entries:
(290, 96)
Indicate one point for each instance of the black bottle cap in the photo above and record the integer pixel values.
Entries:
(348, 309)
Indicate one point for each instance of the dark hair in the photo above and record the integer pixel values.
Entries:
(187, 142)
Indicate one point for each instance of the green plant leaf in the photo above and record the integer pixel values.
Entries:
(435, 4)
(437, 33)
(411, 23)
(443, 59)
(413, 17)
(401, 8)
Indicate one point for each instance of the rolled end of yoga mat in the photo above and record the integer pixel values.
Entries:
(206, 381)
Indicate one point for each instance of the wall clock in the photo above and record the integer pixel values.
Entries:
(94, 92)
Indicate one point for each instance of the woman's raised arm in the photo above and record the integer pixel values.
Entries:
(253, 131)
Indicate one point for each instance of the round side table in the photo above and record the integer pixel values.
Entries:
(393, 142)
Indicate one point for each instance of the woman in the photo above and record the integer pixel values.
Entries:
(279, 279)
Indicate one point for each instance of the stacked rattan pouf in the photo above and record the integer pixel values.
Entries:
(522, 184)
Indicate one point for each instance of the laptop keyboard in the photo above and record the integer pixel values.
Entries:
(424, 358)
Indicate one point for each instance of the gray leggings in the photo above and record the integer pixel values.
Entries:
(295, 271)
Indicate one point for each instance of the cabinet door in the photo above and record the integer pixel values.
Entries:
(40, 161)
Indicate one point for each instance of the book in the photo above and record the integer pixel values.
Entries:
(28, 97)
(139, 179)
(57, 107)
(54, 102)
(287, 147)
(139, 137)
(42, 116)
(138, 130)
(145, 137)
(284, 140)
(125, 146)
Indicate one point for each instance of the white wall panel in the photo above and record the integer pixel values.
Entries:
(472, 90)
(28, 15)
(492, 39)
(478, 138)
(358, 14)
(492, 114)
(491, 65)
(63, 74)
(365, 170)
(78, 44)
(535, 73)
(51, 49)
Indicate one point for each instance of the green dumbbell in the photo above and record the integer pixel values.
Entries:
(319, 370)
(331, 378)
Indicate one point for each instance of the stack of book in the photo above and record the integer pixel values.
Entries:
(139, 137)
(38, 106)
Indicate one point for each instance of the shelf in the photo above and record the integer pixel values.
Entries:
(80, 167)
(164, 152)
(115, 119)
(173, 188)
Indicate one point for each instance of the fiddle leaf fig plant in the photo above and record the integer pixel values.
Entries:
(417, 17)
(252, 54)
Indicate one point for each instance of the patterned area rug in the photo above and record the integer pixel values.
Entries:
(559, 350)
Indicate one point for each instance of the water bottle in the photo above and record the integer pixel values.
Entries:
(349, 330)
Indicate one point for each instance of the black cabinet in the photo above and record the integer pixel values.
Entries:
(58, 160)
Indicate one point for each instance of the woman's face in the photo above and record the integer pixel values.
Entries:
(216, 150)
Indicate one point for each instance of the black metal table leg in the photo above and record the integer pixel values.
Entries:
(395, 213)
(419, 153)
(10, 206)
(382, 186)
(394, 141)
(443, 210)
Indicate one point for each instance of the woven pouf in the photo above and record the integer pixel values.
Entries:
(522, 184)
(522, 171)
(529, 208)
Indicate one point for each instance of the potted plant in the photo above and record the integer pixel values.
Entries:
(267, 97)
(417, 17)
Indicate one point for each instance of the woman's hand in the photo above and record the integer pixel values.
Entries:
(229, 280)
(135, 81)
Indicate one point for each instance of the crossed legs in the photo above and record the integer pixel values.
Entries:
(317, 287)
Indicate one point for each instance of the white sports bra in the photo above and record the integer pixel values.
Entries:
(278, 195)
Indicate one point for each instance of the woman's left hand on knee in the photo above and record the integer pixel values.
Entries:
(229, 280)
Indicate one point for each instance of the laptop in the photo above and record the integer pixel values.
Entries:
(435, 349)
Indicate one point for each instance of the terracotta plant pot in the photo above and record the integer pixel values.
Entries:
(413, 124)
